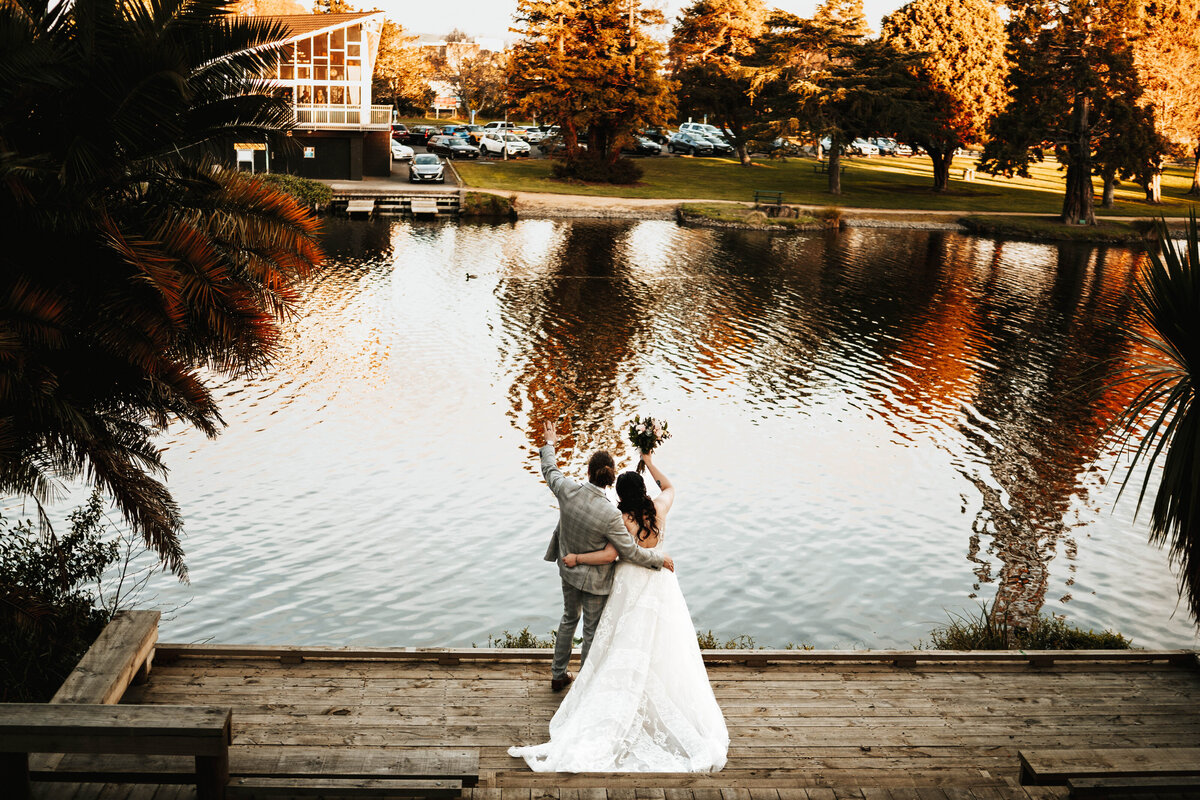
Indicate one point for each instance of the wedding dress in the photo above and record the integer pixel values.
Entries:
(642, 702)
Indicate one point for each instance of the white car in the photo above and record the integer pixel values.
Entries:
(401, 152)
(863, 148)
(492, 144)
(534, 135)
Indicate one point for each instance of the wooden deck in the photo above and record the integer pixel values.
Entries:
(815, 727)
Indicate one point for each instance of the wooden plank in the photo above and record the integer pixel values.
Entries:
(1096, 787)
(110, 664)
(174, 650)
(1056, 766)
(380, 787)
(44, 728)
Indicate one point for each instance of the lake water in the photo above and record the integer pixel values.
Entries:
(872, 429)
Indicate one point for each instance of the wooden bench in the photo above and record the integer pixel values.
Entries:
(822, 167)
(122, 654)
(274, 769)
(1124, 767)
(199, 732)
(764, 198)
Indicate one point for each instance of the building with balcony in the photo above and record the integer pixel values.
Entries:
(325, 70)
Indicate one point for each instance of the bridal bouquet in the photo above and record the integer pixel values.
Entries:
(646, 434)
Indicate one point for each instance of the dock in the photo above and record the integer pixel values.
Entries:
(804, 725)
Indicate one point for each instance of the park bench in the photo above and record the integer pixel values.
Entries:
(201, 733)
(822, 167)
(1124, 771)
(767, 198)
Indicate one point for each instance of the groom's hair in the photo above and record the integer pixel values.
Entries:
(602, 470)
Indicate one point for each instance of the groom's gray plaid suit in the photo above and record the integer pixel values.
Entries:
(586, 521)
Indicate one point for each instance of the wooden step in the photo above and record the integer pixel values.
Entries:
(360, 206)
(1040, 767)
(342, 787)
(1102, 787)
(421, 205)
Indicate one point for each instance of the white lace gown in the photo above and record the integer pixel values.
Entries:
(642, 702)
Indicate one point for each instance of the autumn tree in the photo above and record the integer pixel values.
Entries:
(332, 7)
(961, 73)
(1070, 65)
(1167, 56)
(264, 8)
(713, 50)
(401, 69)
(589, 65)
(480, 80)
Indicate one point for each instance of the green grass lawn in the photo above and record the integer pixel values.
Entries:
(881, 182)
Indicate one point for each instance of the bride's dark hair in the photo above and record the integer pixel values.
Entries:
(633, 500)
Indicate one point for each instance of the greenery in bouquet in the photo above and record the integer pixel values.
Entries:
(646, 434)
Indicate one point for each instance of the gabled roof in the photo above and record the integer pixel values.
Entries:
(301, 24)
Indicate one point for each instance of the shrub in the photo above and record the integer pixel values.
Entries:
(831, 216)
(709, 641)
(483, 204)
(522, 640)
(306, 191)
(986, 632)
(49, 615)
(597, 170)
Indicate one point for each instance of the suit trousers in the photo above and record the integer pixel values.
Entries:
(575, 601)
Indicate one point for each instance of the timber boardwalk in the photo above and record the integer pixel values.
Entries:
(803, 725)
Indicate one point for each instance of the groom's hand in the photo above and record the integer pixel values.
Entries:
(669, 563)
(551, 436)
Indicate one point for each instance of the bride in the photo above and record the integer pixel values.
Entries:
(642, 702)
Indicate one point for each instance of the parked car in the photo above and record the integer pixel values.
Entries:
(456, 130)
(655, 134)
(642, 146)
(863, 148)
(475, 131)
(401, 152)
(426, 167)
(778, 148)
(534, 135)
(501, 125)
(887, 147)
(420, 134)
(902, 150)
(453, 146)
(683, 142)
(495, 143)
(720, 146)
(702, 128)
(399, 131)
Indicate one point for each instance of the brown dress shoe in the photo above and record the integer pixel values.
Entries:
(558, 684)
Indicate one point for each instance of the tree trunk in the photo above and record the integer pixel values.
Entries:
(744, 154)
(1110, 187)
(942, 158)
(1195, 190)
(1152, 183)
(1079, 204)
(835, 168)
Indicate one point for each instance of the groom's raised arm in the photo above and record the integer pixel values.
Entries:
(628, 549)
(550, 471)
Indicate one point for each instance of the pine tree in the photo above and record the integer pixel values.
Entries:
(1071, 66)
(962, 71)
(713, 51)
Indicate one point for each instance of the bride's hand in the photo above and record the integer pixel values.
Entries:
(570, 559)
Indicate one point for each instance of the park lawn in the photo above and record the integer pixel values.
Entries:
(881, 182)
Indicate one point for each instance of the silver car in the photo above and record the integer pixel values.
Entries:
(426, 167)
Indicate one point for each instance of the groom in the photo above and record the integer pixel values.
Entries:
(587, 521)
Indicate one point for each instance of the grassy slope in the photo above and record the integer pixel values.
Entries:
(892, 183)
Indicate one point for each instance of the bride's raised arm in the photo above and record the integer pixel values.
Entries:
(605, 556)
(666, 495)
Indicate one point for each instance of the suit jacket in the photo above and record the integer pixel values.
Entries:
(587, 521)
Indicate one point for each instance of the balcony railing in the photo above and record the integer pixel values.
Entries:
(343, 117)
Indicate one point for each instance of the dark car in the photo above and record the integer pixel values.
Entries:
(657, 135)
(642, 146)
(720, 146)
(453, 146)
(426, 167)
(687, 143)
(420, 134)
(399, 131)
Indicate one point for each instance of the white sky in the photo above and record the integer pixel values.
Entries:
(493, 17)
